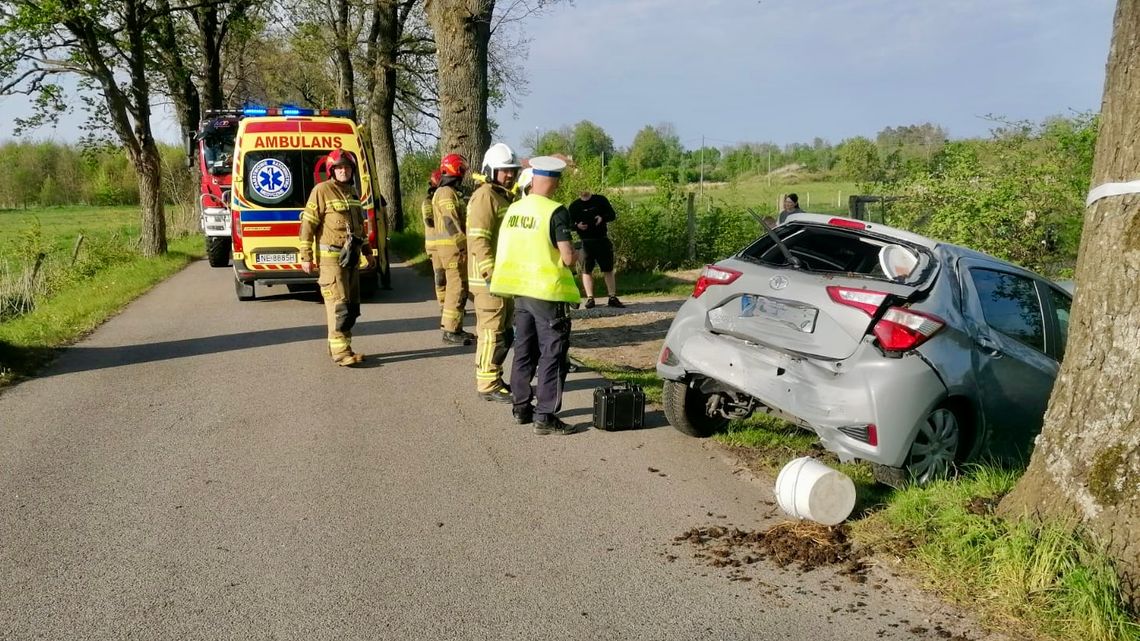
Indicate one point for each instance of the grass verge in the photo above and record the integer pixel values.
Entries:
(28, 342)
(408, 246)
(1048, 576)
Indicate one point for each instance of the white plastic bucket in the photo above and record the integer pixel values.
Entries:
(808, 489)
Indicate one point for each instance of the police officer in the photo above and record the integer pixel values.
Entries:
(432, 238)
(334, 219)
(492, 313)
(532, 264)
(451, 247)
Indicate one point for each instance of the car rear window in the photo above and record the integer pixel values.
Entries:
(287, 182)
(830, 249)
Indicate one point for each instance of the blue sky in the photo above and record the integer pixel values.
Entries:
(790, 70)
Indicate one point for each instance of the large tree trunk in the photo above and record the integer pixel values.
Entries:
(141, 146)
(1087, 460)
(382, 104)
(211, 44)
(148, 165)
(462, 35)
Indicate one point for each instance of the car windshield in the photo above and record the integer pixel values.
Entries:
(831, 249)
(219, 152)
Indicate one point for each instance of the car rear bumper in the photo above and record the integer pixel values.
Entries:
(284, 276)
(893, 394)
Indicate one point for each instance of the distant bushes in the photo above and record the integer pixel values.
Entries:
(48, 174)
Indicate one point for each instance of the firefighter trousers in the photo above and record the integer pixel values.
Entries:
(454, 264)
(493, 316)
(340, 288)
(439, 277)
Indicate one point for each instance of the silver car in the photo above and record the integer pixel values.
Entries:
(893, 348)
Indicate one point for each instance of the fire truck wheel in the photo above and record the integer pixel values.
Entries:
(218, 251)
(385, 271)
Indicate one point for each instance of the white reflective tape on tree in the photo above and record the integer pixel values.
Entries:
(1112, 189)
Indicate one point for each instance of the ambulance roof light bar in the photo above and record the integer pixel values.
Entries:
(297, 111)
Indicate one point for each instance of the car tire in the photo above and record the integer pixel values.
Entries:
(934, 452)
(218, 251)
(244, 290)
(685, 410)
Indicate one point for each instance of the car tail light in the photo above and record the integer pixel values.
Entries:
(370, 227)
(846, 222)
(868, 433)
(865, 300)
(667, 357)
(713, 275)
(903, 329)
(235, 229)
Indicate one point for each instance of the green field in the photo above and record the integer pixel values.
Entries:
(59, 226)
(828, 197)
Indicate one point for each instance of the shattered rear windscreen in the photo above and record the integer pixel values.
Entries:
(826, 249)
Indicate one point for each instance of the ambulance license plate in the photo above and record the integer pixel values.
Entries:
(277, 259)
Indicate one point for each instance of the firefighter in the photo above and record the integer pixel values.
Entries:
(492, 314)
(334, 219)
(431, 237)
(533, 259)
(451, 247)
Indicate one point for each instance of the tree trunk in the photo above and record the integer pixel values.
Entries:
(462, 35)
(1087, 460)
(346, 78)
(382, 104)
(148, 165)
(211, 44)
(141, 147)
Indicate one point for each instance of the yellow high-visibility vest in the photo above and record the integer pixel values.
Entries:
(526, 263)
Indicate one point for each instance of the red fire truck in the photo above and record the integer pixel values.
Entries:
(211, 147)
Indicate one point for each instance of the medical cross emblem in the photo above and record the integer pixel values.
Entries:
(271, 180)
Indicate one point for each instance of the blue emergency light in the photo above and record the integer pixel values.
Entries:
(297, 111)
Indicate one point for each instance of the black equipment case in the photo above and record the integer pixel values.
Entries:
(619, 406)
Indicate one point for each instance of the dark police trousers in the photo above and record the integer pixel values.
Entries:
(542, 341)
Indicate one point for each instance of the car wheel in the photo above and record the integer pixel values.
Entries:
(218, 251)
(935, 447)
(686, 409)
(243, 289)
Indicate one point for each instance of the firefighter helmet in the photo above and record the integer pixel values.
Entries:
(499, 156)
(434, 179)
(523, 182)
(339, 157)
(453, 165)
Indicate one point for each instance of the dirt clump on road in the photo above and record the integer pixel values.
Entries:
(806, 545)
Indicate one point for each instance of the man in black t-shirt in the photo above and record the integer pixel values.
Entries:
(590, 213)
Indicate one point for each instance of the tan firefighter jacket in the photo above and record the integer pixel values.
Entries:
(484, 214)
(332, 213)
(450, 236)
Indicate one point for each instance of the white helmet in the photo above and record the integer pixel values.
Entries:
(523, 182)
(499, 156)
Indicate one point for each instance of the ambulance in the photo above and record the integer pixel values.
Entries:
(279, 157)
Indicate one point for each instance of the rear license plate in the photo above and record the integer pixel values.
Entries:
(798, 317)
(276, 259)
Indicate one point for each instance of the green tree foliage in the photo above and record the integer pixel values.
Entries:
(858, 159)
(590, 141)
(1018, 196)
(655, 147)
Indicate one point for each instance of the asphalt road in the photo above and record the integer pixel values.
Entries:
(198, 469)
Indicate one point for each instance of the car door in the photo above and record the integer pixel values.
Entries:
(1013, 369)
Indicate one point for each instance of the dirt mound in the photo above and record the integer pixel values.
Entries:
(808, 545)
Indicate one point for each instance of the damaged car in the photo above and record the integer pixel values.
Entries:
(896, 349)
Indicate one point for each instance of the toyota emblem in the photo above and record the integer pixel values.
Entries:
(778, 282)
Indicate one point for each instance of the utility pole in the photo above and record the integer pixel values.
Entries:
(702, 188)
